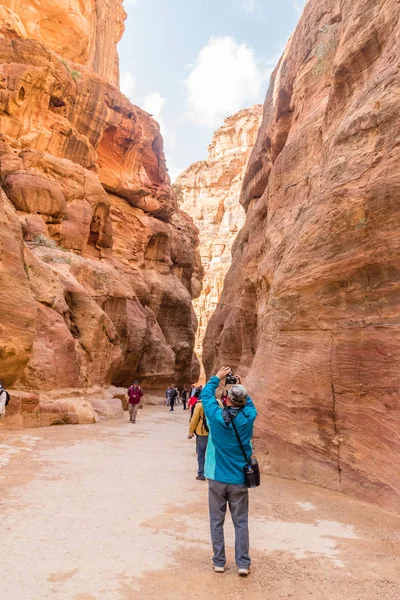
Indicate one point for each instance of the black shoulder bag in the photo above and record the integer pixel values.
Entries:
(251, 468)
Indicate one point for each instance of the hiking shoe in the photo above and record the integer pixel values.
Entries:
(243, 572)
(200, 478)
(219, 569)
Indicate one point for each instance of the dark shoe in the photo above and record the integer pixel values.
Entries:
(200, 478)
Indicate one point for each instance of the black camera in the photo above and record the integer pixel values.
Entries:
(230, 379)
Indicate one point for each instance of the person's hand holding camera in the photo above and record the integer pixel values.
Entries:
(230, 378)
(222, 373)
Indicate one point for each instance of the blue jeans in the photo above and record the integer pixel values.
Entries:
(201, 447)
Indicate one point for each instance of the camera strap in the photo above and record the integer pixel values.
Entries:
(238, 438)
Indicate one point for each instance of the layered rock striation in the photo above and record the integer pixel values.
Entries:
(98, 266)
(85, 32)
(209, 191)
(310, 307)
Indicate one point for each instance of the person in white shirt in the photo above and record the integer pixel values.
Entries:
(3, 400)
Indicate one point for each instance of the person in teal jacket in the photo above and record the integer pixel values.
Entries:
(224, 468)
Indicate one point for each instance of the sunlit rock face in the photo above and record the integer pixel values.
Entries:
(85, 32)
(210, 193)
(311, 303)
(98, 266)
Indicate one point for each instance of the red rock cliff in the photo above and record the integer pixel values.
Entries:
(83, 31)
(310, 308)
(210, 193)
(97, 264)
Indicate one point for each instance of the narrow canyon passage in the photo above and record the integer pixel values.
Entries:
(112, 511)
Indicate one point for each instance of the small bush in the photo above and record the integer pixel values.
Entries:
(74, 74)
(58, 259)
(43, 240)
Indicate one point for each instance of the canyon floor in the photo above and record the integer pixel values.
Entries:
(113, 512)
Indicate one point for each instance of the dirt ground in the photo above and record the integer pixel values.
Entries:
(113, 512)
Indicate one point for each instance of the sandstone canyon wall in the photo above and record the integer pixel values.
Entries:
(98, 265)
(85, 32)
(310, 311)
(210, 192)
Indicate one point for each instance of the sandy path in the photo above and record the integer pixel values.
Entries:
(113, 512)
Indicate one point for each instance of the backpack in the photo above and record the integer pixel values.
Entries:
(203, 418)
(205, 424)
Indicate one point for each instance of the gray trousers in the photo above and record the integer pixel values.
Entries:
(237, 496)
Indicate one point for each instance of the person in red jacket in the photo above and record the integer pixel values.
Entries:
(135, 394)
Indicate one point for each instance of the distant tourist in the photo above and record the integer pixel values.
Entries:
(4, 400)
(168, 394)
(172, 394)
(226, 465)
(198, 426)
(184, 396)
(194, 396)
(135, 394)
(224, 397)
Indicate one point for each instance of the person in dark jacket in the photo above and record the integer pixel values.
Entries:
(184, 396)
(135, 394)
(224, 468)
(173, 394)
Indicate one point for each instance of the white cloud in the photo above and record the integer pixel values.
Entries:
(128, 85)
(248, 6)
(226, 76)
(153, 104)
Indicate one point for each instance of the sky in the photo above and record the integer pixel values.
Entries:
(192, 63)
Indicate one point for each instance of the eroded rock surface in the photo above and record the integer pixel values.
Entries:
(85, 32)
(310, 307)
(98, 266)
(210, 193)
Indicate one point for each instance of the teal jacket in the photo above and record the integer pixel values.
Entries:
(224, 459)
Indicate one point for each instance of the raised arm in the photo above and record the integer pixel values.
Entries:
(210, 404)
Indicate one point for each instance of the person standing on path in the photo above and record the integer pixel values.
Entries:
(3, 400)
(172, 396)
(135, 394)
(184, 396)
(198, 427)
(224, 468)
